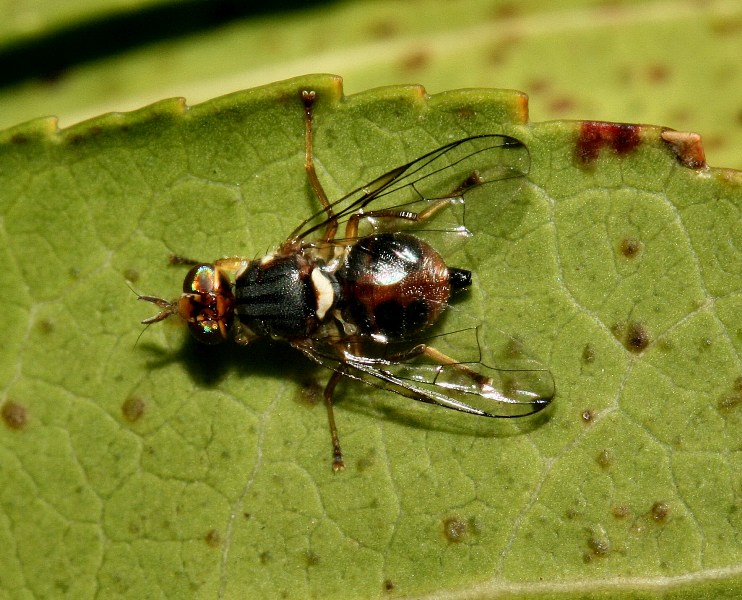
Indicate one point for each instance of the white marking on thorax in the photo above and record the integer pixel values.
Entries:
(323, 292)
(241, 269)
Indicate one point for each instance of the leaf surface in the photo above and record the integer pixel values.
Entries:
(164, 469)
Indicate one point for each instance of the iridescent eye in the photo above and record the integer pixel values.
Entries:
(207, 304)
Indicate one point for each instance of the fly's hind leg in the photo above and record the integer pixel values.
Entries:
(437, 205)
(443, 359)
(337, 453)
(308, 98)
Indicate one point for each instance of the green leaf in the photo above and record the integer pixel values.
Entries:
(164, 469)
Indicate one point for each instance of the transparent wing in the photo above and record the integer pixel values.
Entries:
(449, 171)
(523, 387)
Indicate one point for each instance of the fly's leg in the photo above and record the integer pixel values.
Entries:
(436, 206)
(177, 259)
(442, 359)
(231, 263)
(337, 453)
(351, 229)
(308, 98)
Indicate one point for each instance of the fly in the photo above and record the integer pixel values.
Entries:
(356, 291)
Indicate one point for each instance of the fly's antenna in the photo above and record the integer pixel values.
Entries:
(168, 309)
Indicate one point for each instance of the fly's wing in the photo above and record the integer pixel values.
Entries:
(522, 388)
(447, 172)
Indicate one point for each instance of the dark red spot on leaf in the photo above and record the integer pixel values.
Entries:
(595, 136)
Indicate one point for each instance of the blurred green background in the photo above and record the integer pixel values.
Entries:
(665, 62)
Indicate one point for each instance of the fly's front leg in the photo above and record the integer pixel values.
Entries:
(177, 259)
(232, 264)
(308, 98)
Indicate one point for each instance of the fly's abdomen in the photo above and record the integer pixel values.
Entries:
(396, 285)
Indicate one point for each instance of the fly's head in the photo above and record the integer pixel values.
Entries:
(206, 304)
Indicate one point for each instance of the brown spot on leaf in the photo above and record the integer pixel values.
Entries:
(455, 529)
(309, 393)
(465, 113)
(660, 511)
(599, 546)
(588, 354)
(416, 60)
(621, 511)
(213, 538)
(634, 336)
(539, 86)
(658, 73)
(46, 325)
(506, 10)
(499, 51)
(562, 105)
(598, 543)
(514, 348)
(594, 136)
(133, 408)
(131, 275)
(605, 458)
(732, 401)
(14, 415)
(630, 247)
(366, 462)
(637, 338)
(588, 416)
(384, 30)
(727, 26)
(687, 147)
(388, 585)
(311, 558)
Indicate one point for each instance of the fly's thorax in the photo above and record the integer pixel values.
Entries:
(285, 296)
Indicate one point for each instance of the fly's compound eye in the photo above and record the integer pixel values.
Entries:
(207, 304)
